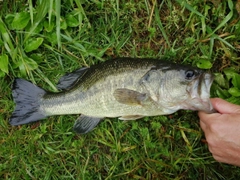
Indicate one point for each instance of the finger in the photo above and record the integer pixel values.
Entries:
(203, 126)
(218, 158)
(208, 118)
(224, 107)
(202, 115)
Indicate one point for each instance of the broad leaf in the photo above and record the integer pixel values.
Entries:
(4, 63)
(63, 24)
(220, 80)
(229, 72)
(48, 26)
(20, 20)
(232, 74)
(234, 100)
(236, 80)
(31, 64)
(37, 30)
(33, 44)
(204, 64)
(234, 91)
(222, 93)
(26, 65)
(2, 74)
(71, 21)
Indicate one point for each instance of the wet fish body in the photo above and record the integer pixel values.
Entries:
(124, 87)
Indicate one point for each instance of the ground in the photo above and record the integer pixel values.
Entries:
(42, 40)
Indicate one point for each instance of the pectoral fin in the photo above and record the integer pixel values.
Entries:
(85, 124)
(129, 97)
(67, 81)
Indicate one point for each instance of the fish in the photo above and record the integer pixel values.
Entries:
(123, 88)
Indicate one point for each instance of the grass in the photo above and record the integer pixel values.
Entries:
(54, 38)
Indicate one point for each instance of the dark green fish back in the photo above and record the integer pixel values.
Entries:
(113, 67)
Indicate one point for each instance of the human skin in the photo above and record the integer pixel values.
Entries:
(222, 131)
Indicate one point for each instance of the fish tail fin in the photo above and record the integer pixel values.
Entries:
(27, 97)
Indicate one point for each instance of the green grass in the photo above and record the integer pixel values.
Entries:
(53, 38)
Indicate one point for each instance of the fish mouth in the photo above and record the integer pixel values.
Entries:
(199, 91)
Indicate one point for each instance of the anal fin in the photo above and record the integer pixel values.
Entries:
(84, 124)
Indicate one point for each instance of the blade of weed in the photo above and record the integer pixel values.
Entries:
(211, 46)
(50, 11)
(190, 8)
(203, 20)
(31, 10)
(159, 23)
(41, 11)
(151, 15)
(225, 20)
(41, 74)
(6, 38)
(81, 10)
(58, 17)
(225, 42)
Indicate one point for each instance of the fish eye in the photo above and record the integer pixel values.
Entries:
(189, 74)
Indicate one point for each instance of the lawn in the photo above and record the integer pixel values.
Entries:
(42, 40)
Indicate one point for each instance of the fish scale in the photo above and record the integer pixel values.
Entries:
(117, 75)
(128, 88)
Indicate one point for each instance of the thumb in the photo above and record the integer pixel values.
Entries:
(224, 107)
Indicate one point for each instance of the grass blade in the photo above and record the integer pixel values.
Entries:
(41, 10)
(6, 38)
(190, 8)
(31, 10)
(226, 19)
(159, 23)
(58, 16)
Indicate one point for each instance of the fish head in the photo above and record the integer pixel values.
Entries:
(199, 93)
(180, 87)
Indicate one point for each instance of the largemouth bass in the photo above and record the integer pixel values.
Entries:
(126, 88)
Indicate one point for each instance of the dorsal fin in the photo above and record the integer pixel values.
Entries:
(67, 81)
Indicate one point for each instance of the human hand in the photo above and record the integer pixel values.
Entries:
(222, 131)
